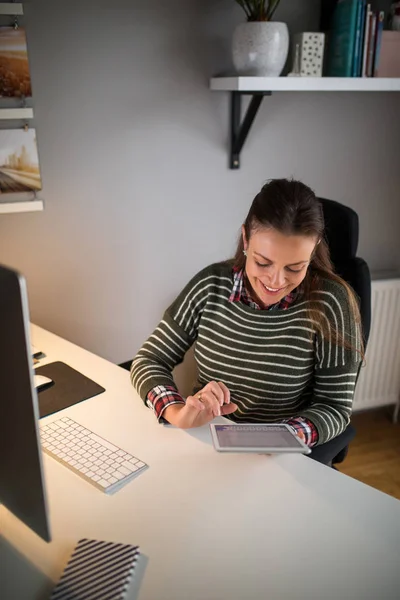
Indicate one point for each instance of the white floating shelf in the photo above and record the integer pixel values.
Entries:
(305, 84)
(11, 8)
(20, 207)
(16, 113)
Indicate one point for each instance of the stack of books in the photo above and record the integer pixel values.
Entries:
(354, 39)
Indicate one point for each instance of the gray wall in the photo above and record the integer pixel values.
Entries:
(133, 154)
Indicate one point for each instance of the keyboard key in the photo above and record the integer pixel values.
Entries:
(102, 442)
(125, 472)
(103, 483)
(130, 466)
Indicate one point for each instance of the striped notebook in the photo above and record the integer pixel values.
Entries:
(97, 571)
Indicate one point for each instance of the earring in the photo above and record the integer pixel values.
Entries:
(244, 252)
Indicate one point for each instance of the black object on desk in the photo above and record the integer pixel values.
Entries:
(70, 387)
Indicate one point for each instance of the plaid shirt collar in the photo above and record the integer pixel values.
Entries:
(240, 294)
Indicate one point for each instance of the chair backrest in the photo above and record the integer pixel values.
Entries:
(341, 232)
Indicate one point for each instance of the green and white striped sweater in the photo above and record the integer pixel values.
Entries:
(275, 364)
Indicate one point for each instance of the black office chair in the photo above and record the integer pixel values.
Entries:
(342, 232)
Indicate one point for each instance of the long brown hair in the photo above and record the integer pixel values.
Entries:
(292, 208)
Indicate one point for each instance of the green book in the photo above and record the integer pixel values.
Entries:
(343, 35)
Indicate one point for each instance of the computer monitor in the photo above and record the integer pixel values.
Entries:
(22, 488)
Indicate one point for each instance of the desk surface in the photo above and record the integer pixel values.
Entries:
(212, 526)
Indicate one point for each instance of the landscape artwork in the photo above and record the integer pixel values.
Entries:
(15, 79)
(19, 161)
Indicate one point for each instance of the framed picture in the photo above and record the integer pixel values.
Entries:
(15, 79)
(19, 161)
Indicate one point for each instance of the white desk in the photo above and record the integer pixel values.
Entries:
(213, 526)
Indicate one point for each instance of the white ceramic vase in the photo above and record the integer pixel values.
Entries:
(260, 48)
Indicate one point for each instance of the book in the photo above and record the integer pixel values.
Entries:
(371, 45)
(378, 43)
(389, 55)
(359, 38)
(368, 14)
(361, 55)
(343, 38)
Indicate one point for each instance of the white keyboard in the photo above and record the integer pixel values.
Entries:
(102, 464)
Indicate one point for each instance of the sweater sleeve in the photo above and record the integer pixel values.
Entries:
(175, 334)
(336, 367)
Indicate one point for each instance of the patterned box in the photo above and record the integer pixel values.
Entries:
(311, 51)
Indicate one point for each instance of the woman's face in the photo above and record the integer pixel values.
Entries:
(276, 263)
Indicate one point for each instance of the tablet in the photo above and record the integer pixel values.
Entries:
(268, 438)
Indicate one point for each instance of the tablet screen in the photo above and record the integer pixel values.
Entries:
(255, 436)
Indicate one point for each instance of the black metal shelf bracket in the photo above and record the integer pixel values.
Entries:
(240, 130)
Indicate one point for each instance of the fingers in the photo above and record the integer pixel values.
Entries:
(227, 409)
(215, 397)
(219, 390)
(227, 394)
(210, 401)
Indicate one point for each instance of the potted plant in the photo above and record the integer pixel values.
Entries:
(260, 46)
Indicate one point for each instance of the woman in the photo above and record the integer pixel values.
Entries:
(277, 332)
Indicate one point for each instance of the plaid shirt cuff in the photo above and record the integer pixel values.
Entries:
(160, 397)
(306, 427)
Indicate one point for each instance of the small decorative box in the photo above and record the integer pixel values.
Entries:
(311, 51)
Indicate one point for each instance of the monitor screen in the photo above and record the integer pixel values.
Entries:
(22, 488)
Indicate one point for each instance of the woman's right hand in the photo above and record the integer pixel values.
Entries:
(213, 400)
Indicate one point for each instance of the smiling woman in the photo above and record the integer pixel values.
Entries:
(277, 332)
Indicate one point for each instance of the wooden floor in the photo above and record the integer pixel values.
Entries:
(374, 455)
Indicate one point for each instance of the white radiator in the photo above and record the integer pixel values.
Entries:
(379, 380)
